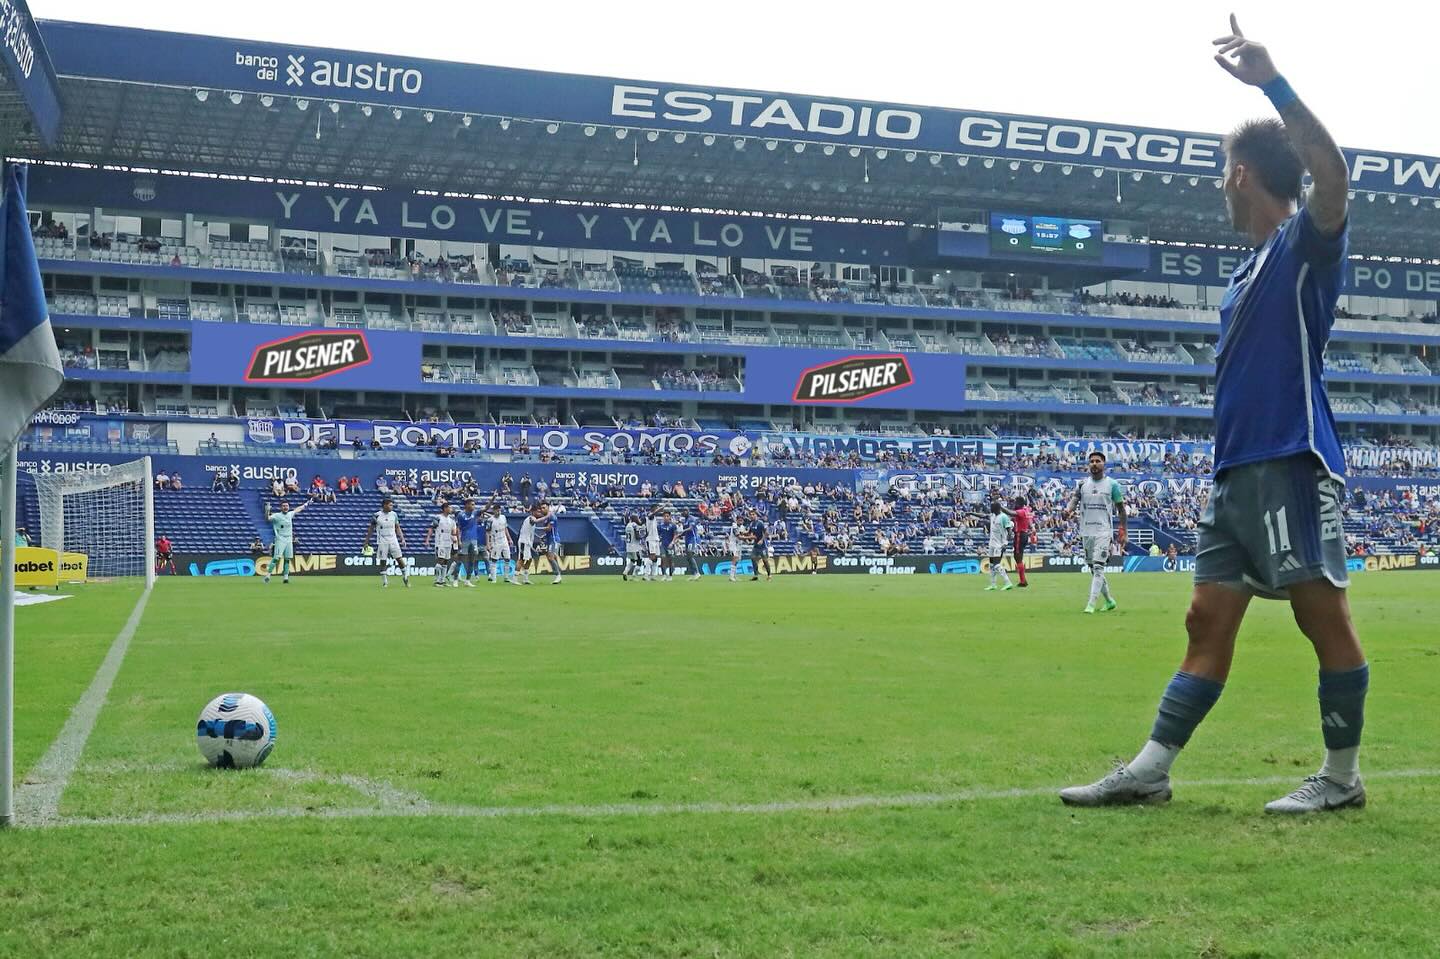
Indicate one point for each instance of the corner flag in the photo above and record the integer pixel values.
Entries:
(30, 374)
(30, 371)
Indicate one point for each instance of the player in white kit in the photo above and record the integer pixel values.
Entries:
(446, 532)
(1000, 537)
(652, 546)
(389, 541)
(526, 544)
(497, 545)
(1098, 498)
(732, 544)
(634, 546)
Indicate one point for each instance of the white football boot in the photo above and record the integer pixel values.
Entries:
(1320, 794)
(1119, 788)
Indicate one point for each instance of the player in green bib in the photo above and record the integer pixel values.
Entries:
(282, 549)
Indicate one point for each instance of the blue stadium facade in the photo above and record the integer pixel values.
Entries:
(252, 250)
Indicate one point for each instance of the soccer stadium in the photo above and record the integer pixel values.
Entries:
(613, 517)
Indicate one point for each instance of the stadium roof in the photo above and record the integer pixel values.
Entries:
(183, 102)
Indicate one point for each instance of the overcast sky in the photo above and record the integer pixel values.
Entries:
(1367, 69)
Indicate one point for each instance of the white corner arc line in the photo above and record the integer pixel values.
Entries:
(37, 797)
(836, 804)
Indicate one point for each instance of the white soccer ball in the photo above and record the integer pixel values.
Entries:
(235, 731)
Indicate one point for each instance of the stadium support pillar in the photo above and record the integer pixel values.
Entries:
(7, 636)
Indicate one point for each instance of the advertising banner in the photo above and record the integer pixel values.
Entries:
(949, 564)
(1211, 267)
(873, 447)
(273, 355)
(74, 567)
(929, 381)
(28, 68)
(331, 564)
(403, 434)
(402, 214)
(423, 565)
(256, 472)
(60, 425)
(35, 566)
(415, 85)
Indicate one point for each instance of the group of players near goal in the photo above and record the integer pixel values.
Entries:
(463, 538)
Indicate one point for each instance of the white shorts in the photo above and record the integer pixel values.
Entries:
(527, 551)
(442, 551)
(1095, 548)
(282, 550)
(998, 547)
(653, 547)
(498, 551)
(387, 548)
(732, 547)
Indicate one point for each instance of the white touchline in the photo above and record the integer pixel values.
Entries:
(397, 805)
(37, 798)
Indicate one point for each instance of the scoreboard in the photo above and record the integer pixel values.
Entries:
(1016, 234)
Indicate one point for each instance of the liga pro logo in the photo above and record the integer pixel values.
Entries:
(854, 378)
(308, 357)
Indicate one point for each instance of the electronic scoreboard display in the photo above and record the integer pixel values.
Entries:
(1016, 234)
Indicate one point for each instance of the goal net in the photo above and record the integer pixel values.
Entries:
(107, 514)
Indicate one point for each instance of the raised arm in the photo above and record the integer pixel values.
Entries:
(1071, 503)
(296, 511)
(1249, 62)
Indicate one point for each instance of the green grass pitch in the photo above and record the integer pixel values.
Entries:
(444, 710)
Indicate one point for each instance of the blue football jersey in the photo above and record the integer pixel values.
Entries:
(1275, 321)
(469, 524)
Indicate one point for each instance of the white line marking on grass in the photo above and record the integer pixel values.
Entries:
(406, 807)
(37, 799)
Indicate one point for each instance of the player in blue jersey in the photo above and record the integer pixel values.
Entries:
(547, 530)
(668, 531)
(470, 519)
(1273, 526)
(757, 530)
(692, 534)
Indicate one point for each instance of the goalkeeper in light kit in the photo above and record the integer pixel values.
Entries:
(1273, 526)
(282, 550)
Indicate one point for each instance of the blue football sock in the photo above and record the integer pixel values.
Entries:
(1342, 706)
(1186, 701)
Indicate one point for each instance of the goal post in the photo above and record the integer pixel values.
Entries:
(107, 514)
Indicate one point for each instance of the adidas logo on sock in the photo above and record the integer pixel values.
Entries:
(1334, 721)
